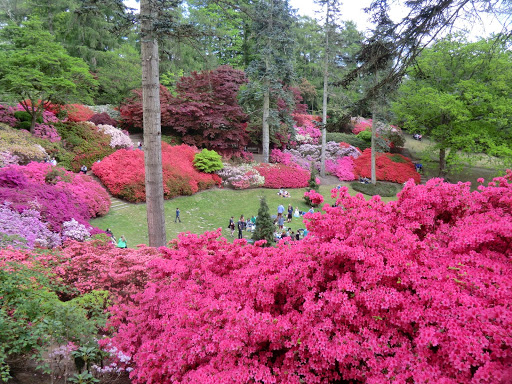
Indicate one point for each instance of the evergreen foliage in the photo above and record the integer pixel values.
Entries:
(208, 161)
(264, 225)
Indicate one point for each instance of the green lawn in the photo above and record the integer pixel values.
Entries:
(205, 211)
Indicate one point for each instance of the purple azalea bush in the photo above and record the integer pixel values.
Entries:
(26, 229)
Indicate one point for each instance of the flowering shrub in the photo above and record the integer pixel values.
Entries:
(7, 115)
(25, 229)
(306, 154)
(74, 112)
(361, 124)
(84, 188)
(282, 176)
(18, 147)
(389, 167)
(416, 291)
(93, 265)
(47, 132)
(73, 230)
(119, 139)
(342, 168)
(124, 175)
(308, 134)
(314, 197)
(240, 177)
(88, 143)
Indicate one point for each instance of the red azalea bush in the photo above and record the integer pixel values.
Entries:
(389, 167)
(413, 291)
(124, 175)
(283, 176)
(314, 197)
(74, 112)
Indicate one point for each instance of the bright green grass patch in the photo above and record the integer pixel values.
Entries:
(206, 211)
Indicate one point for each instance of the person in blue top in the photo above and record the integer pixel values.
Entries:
(280, 210)
(177, 215)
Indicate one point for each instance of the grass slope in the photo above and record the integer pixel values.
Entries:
(206, 211)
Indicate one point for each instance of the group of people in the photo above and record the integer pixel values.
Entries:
(51, 160)
(417, 136)
(121, 243)
(278, 236)
(283, 193)
(241, 225)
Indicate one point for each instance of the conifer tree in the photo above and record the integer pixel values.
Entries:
(264, 224)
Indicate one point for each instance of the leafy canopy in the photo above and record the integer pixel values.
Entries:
(34, 67)
(458, 93)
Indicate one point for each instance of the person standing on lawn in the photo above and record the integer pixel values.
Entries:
(177, 215)
(240, 226)
(290, 213)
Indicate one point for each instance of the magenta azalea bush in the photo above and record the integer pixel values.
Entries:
(314, 197)
(414, 291)
(342, 168)
(56, 195)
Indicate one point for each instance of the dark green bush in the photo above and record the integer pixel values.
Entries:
(22, 116)
(381, 189)
(349, 139)
(365, 135)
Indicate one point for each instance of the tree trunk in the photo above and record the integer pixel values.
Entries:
(324, 102)
(442, 162)
(374, 129)
(266, 130)
(152, 128)
(33, 121)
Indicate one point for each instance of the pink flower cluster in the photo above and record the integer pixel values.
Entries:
(283, 176)
(314, 197)
(361, 124)
(414, 291)
(342, 168)
(47, 132)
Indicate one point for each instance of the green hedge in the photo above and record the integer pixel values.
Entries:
(381, 189)
(349, 139)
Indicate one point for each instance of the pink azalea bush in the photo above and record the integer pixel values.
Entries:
(7, 115)
(47, 132)
(414, 291)
(361, 124)
(282, 176)
(56, 195)
(342, 168)
(314, 197)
